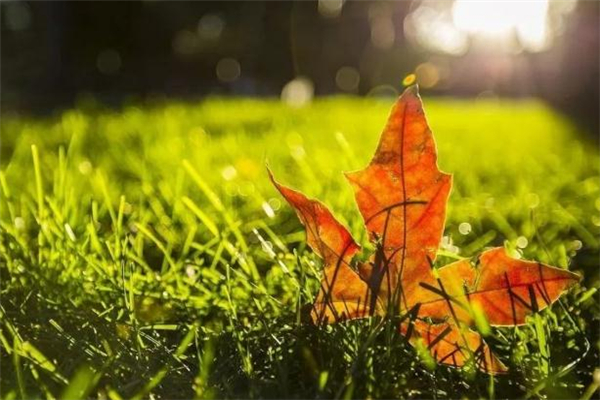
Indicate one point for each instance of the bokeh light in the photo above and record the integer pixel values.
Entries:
(383, 91)
(228, 69)
(383, 34)
(347, 79)
(428, 75)
(210, 27)
(108, 62)
(430, 26)
(481, 49)
(330, 8)
(18, 16)
(185, 43)
(298, 92)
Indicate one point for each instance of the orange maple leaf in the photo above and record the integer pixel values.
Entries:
(402, 196)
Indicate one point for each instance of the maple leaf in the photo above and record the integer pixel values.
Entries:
(402, 197)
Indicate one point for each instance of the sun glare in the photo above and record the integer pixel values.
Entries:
(527, 19)
(451, 27)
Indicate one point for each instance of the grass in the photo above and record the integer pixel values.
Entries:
(144, 252)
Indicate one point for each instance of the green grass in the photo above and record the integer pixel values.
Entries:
(145, 253)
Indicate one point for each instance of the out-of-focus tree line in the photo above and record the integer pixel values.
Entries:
(54, 53)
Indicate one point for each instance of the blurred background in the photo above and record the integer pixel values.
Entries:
(56, 54)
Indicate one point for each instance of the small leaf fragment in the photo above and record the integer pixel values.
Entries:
(455, 346)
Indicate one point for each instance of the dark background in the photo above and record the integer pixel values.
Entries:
(55, 53)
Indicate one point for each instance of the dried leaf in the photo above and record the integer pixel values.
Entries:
(402, 196)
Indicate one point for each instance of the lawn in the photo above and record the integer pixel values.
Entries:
(144, 252)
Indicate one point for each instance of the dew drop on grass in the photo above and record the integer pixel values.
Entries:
(19, 223)
(298, 152)
(445, 241)
(85, 167)
(464, 228)
(229, 172)
(267, 247)
(522, 242)
(190, 271)
(275, 204)
(268, 209)
(70, 232)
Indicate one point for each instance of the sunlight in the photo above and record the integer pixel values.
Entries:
(528, 19)
(513, 26)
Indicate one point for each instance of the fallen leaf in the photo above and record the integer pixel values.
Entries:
(402, 197)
